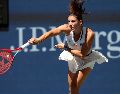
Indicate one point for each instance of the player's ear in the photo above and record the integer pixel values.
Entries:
(81, 22)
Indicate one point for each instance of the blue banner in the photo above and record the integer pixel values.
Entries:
(37, 70)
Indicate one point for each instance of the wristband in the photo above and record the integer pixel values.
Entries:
(66, 47)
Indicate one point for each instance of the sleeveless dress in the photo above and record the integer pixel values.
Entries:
(75, 63)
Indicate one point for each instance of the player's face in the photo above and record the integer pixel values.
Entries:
(73, 22)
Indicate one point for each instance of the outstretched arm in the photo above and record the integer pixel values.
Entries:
(86, 46)
(63, 28)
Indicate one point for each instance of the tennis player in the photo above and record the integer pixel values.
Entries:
(77, 48)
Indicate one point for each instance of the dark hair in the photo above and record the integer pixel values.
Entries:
(76, 8)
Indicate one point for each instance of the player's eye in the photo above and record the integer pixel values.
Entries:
(73, 21)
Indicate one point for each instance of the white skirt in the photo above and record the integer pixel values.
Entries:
(75, 63)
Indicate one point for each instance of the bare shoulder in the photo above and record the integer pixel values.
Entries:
(90, 36)
(65, 28)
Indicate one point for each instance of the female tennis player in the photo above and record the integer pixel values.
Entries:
(77, 48)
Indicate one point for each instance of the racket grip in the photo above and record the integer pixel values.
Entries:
(25, 45)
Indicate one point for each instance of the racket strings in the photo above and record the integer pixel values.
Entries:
(4, 68)
(5, 61)
(6, 55)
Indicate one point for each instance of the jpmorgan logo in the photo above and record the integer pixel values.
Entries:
(110, 41)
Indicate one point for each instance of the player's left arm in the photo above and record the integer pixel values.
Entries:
(86, 46)
(88, 42)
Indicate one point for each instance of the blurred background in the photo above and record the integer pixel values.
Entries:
(37, 70)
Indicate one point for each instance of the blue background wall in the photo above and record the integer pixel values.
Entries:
(37, 70)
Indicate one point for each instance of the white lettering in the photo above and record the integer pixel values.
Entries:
(111, 46)
(112, 40)
(20, 33)
(97, 39)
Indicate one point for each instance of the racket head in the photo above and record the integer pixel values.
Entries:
(6, 60)
(7, 57)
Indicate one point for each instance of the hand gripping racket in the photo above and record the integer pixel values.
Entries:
(7, 57)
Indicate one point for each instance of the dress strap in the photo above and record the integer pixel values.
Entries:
(83, 36)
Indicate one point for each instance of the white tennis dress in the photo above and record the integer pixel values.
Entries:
(74, 62)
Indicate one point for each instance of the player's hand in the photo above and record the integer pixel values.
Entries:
(60, 46)
(34, 41)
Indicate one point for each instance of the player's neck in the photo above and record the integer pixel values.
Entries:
(78, 31)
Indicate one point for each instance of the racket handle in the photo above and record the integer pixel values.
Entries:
(25, 45)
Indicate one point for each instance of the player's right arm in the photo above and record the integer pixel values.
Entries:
(56, 31)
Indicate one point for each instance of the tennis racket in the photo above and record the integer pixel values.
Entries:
(7, 57)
